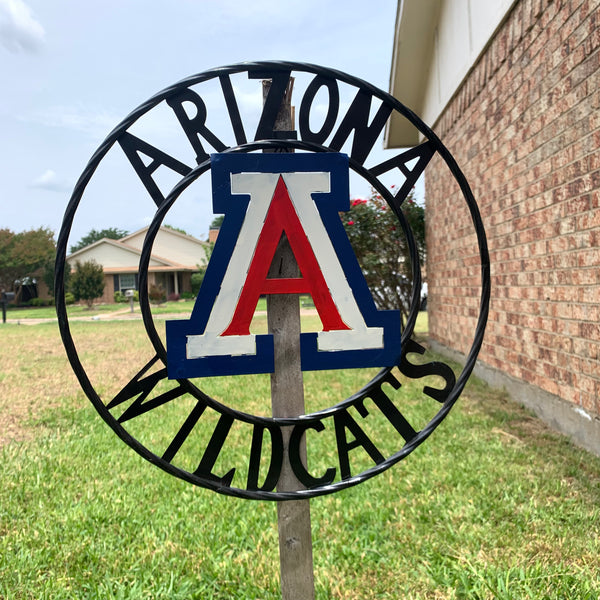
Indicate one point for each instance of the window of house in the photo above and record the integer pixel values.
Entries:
(127, 282)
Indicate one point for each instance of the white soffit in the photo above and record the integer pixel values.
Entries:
(436, 44)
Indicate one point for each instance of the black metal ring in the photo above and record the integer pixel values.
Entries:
(439, 148)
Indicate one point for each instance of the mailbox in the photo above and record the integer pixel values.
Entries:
(130, 294)
(5, 299)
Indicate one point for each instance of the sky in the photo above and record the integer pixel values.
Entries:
(73, 70)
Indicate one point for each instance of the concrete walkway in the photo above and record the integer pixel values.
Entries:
(126, 315)
(119, 315)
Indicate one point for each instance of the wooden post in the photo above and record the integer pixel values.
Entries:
(287, 400)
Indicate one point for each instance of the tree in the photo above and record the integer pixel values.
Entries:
(87, 281)
(198, 277)
(112, 233)
(382, 249)
(22, 254)
(196, 280)
(217, 222)
(177, 229)
(8, 272)
(48, 275)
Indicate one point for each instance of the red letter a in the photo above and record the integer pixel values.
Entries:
(282, 218)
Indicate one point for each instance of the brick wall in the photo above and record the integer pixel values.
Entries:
(525, 129)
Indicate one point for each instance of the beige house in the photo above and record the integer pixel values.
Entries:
(175, 256)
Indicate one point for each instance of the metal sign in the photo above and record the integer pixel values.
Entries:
(263, 196)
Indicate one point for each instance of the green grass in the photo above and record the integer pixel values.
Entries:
(493, 505)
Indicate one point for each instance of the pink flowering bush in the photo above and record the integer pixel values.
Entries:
(380, 245)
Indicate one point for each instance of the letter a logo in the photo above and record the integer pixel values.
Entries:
(264, 196)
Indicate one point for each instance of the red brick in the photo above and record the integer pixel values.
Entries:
(526, 130)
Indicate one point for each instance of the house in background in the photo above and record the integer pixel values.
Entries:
(512, 88)
(175, 256)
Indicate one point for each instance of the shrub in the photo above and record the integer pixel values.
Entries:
(173, 297)
(196, 281)
(87, 282)
(69, 298)
(121, 297)
(157, 294)
(382, 250)
(41, 302)
(187, 295)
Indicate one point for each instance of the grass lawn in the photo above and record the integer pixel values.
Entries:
(493, 505)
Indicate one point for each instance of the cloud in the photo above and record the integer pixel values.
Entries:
(19, 31)
(50, 181)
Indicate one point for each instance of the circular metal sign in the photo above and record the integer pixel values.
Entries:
(216, 443)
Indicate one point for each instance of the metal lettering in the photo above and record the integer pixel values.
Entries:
(141, 387)
(343, 420)
(356, 120)
(133, 146)
(423, 153)
(184, 431)
(255, 454)
(195, 126)
(212, 452)
(299, 469)
(333, 108)
(432, 368)
(391, 412)
(272, 104)
(233, 110)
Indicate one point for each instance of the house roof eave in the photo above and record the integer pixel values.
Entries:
(414, 38)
